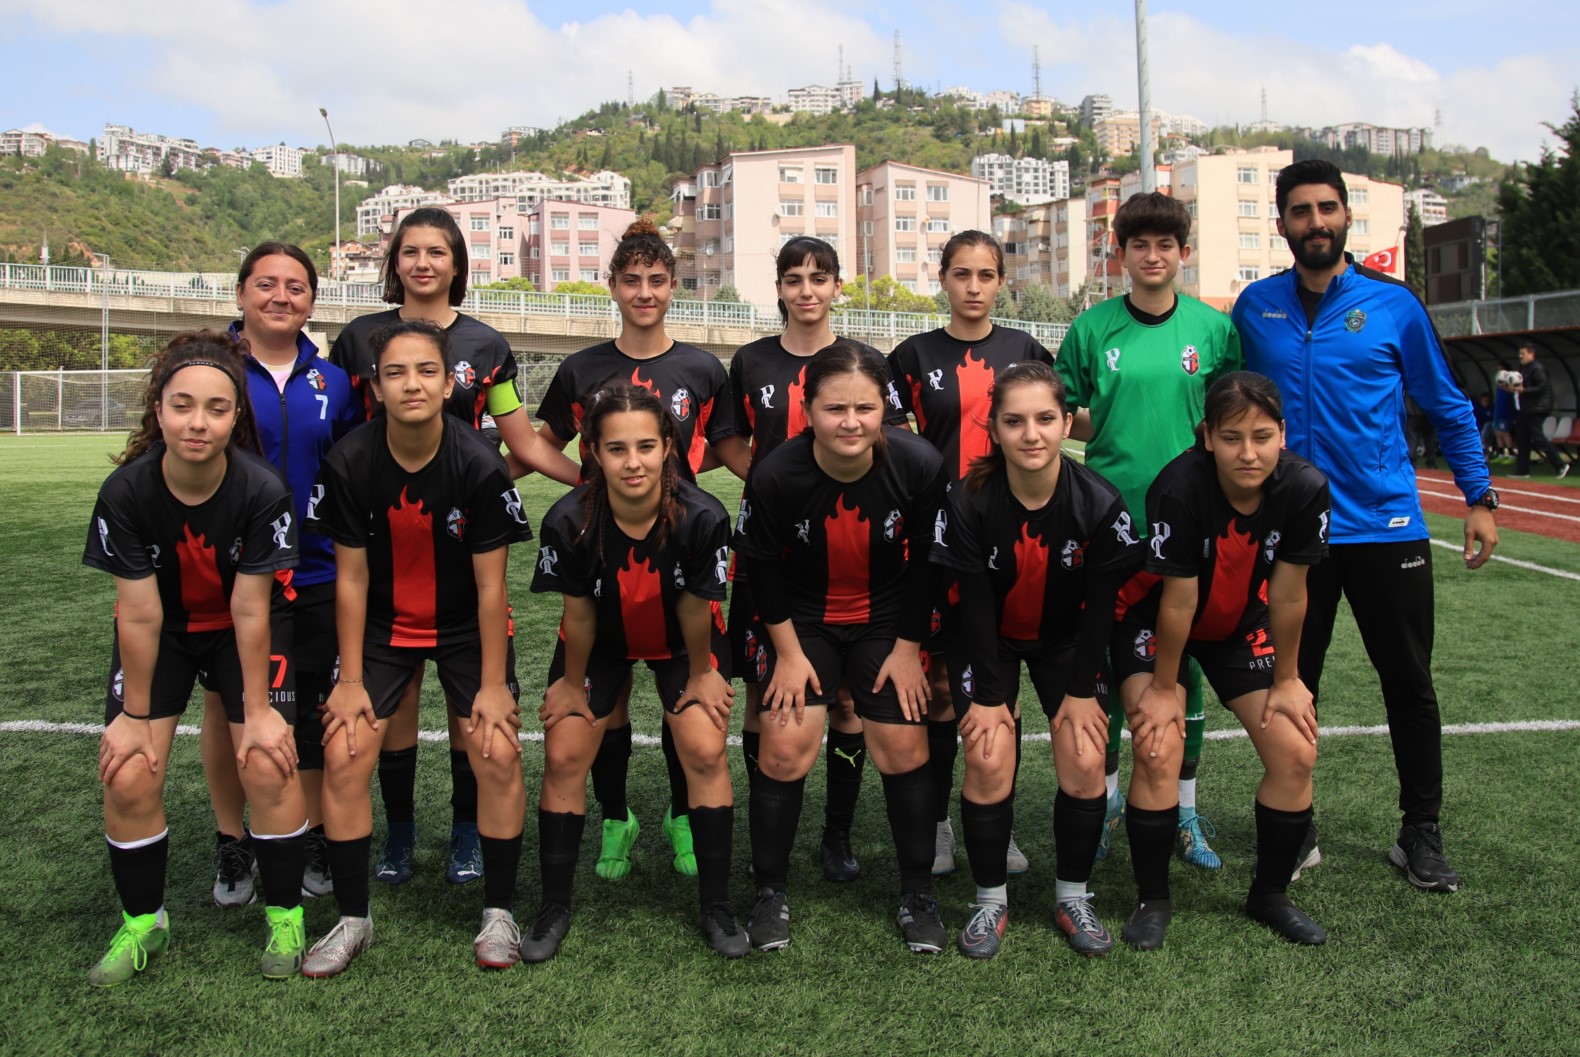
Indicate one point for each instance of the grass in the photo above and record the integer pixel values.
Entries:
(1488, 970)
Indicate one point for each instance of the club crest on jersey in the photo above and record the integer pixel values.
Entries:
(1074, 554)
(742, 516)
(935, 623)
(893, 525)
(680, 576)
(1124, 530)
(104, 538)
(312, 502)
(512, 500)
(465, 376)
(455, 524)
(1112, 355)
(1189, 360)
(1270, 545)
(1160, 536)
(756, 654)
(547, 560)
(235, 551)
(721, 564)
(1146, 645)
(935, 379)
(803, 530)
(316, 379)
(766, 396)
(118, 685)
(968, 681)
(1354, 320)
(680, 404)
(281, 527)
(894, 397)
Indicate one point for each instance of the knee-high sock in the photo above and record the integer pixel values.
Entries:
(943, 747)
(679, 798)
(986, 834)
(463, 790)
(1151, 836)
(559, 845)
(398, 784)
(712, 835)
(846, 756)
(1278, 838)
(1077, 829)
(908, 797)
(775, 812)
(139, 871)
(609, 769)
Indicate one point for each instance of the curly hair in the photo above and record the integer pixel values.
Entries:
(211, 348)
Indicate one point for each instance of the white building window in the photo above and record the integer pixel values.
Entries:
(708, 179)
(909, 284)
(904, 223)
(938, 192)
(905, 255)
(791, 174)
(1246, 175)
(1248, 273)
(936, 256)
(534, 227)
(587, 221)
(1250, 240)
(1247, 207)
(709, 211)
(587, 249)
(560, 222)
(560, 249)
(938, 227)
(507, 260)
(828, 209)
(905, 192)
(482, 253)
(479, 223)
(1362, 227)
(791, 208)
(1358, 196)
(537, 252)
(560, 275)
(865, 197)
(506, 234)
(866, 227)
(1190, 275)
(589, 275)
(827, 176)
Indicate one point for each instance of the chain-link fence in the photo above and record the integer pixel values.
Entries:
(1508, 315)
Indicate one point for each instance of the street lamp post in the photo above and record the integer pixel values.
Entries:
(334, 253)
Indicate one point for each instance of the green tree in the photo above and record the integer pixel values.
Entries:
(1039, 304)
(1414, 253)
(520, 282)
(1004, 306)
(887, 295)
(578, 286)
(1540, 204)
(728, 295)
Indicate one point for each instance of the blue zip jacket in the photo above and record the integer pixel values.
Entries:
(297, 428)
(1344, 381)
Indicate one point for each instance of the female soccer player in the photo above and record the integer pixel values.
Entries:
(193, 528)
(943, 378)
(767, 379)
(639, 557)
(692, 385)
(834, 529)
(425, 276)
(1236, 521)
(1040, 545)
(302, 405)
(422, 512)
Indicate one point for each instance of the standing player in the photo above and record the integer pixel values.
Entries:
(639, 557)
(1140, 366)
(1040, 545)
(943, 377)
(193, 528)
(1345, 344)
(767, 380)
(1236, 521)
(834, 529)
(693, 386)
(422, 512)
(425, 275)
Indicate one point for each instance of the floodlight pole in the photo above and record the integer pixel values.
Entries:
(334, 253)
(1149, 176)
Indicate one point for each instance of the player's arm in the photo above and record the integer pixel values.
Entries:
(1081, 428)
(733, 451)
(526, 450)
(348, 700)
(1286, 608)
(264, 729)
(1161, 706)
(139, 620)
(704, 684)
(567, 695)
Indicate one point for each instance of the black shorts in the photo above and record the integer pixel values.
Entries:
(748, 634)
(206, 657)
(302, 642)
(946, 610)
(388, 670)
(1235, 666)
(1048, 664)
(607, 675)
(854, 653)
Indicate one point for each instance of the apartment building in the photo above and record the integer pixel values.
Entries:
(1023, 179)
(817, 99)
(1095, 108)
(513, 135)
(353, 165)
(127, 150)
(376, 214)
(907, 213)
(1432, 207)
(1045, 245)
(1376, 138)
(31, 143)
(281, 161)
(608, 189)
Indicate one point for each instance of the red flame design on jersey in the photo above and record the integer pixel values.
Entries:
(848, 537)
(795, 408)
(202, 593)
(1234, 563)
(975, 380)
(1134, 590)
(649, 386)
(642, 610)
(699, 435)
(415, 591)
(1023, 605)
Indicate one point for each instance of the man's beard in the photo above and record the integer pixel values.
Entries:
(1309, 256)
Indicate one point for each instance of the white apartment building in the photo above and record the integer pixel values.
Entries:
(1094, 108)
(280, 160)
(1044, 245)
(376, 214)
(1023, 179)
(127, 150)
(1375, 138)
(351, 164)
(817, 99)
(964, 97)
(31, 143)
(513, 135)
(600, 189)
(549, 242)
(1007, 102)
(1432, 207)
(907, 214)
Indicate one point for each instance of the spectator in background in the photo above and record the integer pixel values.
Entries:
(1503, 417)
(1534, 399)
(1483, 411)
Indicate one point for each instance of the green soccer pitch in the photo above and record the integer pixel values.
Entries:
(1491, 969)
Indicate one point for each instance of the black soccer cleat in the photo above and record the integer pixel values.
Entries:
(1281, 915)
(1147, 924)
(839, 860)
(1419, 853)
(723, 932)
(548, 931)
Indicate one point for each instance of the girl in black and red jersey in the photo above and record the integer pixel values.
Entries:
(767, 380)
(1040, 545)
(692, 385)
(425, 276)
(194, 528)
(422, 511)
(834, 531)
(943, 378)
(1236, 521)
(639, 557)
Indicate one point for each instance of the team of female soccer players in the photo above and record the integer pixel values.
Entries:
(889, 583)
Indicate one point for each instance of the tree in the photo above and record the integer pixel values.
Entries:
(1414, 253)
(1004, 304)
(1540, 205)
(1039, 304)
(586, 289)
(728, 295)
(886, 296)
(520, 282)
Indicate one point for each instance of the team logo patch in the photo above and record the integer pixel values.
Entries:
(743, 516)
(756, 654)
(993, 560)
(312, 502)
(940, 527)
(104, 538)
(118, 685)
(512, 500)
(936, 623)
(1160, 536)
(1322, 527)
(680, 576)
(235, 551)
(936, 379)
(893, 525)
(894, 397)
(547, 560)
(281, 528)
(721, 564)
(153, 555)
(968, 681)
(465, 376)
(1073, 555)
(803, 531)
(680, 404)
(455, 524)
(316, 379)
(1270, 545)
(1112, 355)
(1189, 359)
(1124, 530)
(1354, 320)
(598, 587)
(1146, 645)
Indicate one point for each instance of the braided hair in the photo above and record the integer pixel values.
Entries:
(610, 399)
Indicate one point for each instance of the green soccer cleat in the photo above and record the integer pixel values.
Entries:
(678, 830)
(614, 855)
(1113, 820)
(138, 940)
(282, 955)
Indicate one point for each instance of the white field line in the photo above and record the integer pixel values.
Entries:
(1505, 506)
(1447, 482)
(1460, 549)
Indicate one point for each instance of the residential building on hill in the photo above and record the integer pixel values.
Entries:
(1021, 179)
(601, 189)
(376, 214)
(907, 213)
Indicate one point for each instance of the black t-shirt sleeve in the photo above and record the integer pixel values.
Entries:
(341, 512)
(557, 408)
(1177, 528)
(961, 546)
(561, 564)
(1305, 539)
(115, 537)
(721, 420)
(270, 543)
(495, 514)
(1114, 543)
(740, 423)
(707, 558)
(897, 399)
(757, 520)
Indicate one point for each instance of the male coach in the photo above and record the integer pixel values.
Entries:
(1534, 400)
(1345, 345)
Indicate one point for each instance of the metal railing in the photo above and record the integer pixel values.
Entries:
(1505, 315)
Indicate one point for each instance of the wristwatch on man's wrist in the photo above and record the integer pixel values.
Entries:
(1488, 499)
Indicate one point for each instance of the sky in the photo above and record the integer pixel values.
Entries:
(247, 73)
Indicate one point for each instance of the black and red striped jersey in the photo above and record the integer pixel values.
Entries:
(945, 383)
(419, 529)
(480, 359)
(843, 547)
(636, 584)
(768, 382)
(691, 383)
(1196, 532)
(140, 529)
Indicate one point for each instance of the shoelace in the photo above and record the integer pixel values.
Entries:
(128, 936)
(285, 935)
(1083, 916)
(724, 918)
(1203, 825)
(508, 925)
(234, 862)
(339, 935)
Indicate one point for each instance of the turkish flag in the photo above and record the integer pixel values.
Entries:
(1383, 260)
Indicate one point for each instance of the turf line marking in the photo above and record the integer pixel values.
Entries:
(1507, 506)
(1460, 548)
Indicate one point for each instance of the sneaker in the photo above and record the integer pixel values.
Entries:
(235, 869)
(332, 955)
(1308, 856)
(1015, 861)
(395, 862)
(769, 925)
(136, 941)
(1419, 853)
(839, 861)
(984, 933)
(724, 933)
(316, 880)
(1190, 841)
(1147, 924)
(282, 955)
(1563, 471)
(920, 924)
(1518, 476)
(1283, 917)
(1082, 927)
(466, 854)
(548, 932)
(614, 853)
(1113, 818)
(944, 849)
(498, 945)
(678, 830)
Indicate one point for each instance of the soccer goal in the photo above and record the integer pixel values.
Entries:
(65, 401)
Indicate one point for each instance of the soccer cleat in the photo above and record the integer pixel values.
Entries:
(138, 940)
(1144, 931)
(769, 924)
(1082, 927)
(678, 830)
(839, 860)
(282, 955)
(548, 932)
(1113, 818)
(1308, 856)
(395, 862)
(466, 854)
(1563, 471)
(724, 933)
(1419, 853)
(316, 880)
(235, 869)
(1518, 476)
(1283, 917)
(920, 924)
(984, 933)
(332, 955)
(614, 854)
(498, 945)
(944, 849)
(1015, 861)
(1190, 840)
